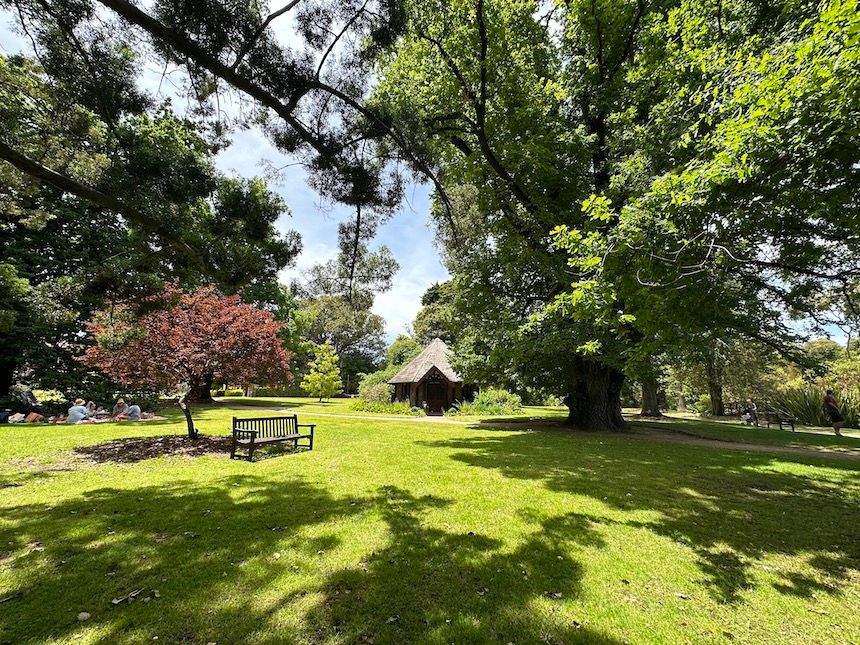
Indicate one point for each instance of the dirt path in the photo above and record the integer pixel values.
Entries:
(636, 432)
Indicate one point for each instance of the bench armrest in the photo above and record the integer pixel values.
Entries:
(306, 425)
(237, 432)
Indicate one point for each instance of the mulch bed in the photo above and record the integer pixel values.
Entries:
(128, 451)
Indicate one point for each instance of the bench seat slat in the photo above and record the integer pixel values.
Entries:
(262, 440)
(251, 432)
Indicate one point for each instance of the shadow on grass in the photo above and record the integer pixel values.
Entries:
(135, 449)
(234, 562)
(728, 507)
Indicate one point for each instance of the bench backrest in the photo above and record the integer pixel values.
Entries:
(269, 426)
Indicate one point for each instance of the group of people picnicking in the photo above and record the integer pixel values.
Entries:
(82, 412)
(831, 411)
(85, 412)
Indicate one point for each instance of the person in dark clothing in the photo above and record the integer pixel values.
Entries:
(833, 413)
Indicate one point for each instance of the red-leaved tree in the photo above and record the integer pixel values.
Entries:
(190, 339)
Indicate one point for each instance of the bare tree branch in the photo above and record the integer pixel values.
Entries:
(249, 45)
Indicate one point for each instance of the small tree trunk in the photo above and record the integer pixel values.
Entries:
(650, 403)
(201, 389)
(594, 397)
(682, 402)
(186, 410)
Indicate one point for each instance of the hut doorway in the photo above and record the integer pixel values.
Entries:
(437, 400)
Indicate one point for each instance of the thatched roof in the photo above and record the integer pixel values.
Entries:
(437, 355)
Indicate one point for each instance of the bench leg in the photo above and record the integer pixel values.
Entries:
(251, 451)
(233, 448)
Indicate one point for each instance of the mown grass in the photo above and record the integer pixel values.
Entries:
(344, 406)
(401, 532)
(738, 432)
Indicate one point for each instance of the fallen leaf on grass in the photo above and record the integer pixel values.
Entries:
(682, 596)
(392, 619)
(553, 594)
(14, 596)
(191, 534)
(83, 616)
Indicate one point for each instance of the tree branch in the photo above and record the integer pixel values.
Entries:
(334, 42)
(69, 185)
(249, 45)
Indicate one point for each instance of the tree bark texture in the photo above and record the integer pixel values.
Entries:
(201, 390)
(650, 399)
(186, 410)
(594, 397)
(715, 385)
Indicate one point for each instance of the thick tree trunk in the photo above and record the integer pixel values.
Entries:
(201, 390)
(594, 397)
(682, 402)
(7, 376)
(650, 402)
(189, 422)
(715, 386)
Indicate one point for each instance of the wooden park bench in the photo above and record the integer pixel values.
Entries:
(253, 433)
(779, 417)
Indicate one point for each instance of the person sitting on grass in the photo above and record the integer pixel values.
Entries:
(91, 409)
(78, 412)
(833, 413)
(133, 413)
(120, 410)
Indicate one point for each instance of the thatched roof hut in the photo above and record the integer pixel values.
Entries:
(429, 378)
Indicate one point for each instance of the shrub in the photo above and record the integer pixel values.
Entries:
(489, 401)
(375, 378)
(234, 392)
(553, 401)
(288, 390)
(398, 408)
(378, 393)
(806, 404)
(703, 405)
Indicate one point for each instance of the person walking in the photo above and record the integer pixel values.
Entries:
(752, 412)
(833, 413)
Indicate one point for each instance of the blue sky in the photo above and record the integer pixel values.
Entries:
(407, 233)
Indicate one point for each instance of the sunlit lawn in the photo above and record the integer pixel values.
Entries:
(402, 531)
(803, 437)
(344, 406)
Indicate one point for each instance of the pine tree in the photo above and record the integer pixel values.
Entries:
(323, 379)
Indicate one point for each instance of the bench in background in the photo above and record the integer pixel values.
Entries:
(779, 417)
(253, 433)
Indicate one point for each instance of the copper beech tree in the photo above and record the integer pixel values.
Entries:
(190, 340)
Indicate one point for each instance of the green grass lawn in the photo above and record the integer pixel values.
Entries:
(344, 406)
(773, 436)
(403, 531)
